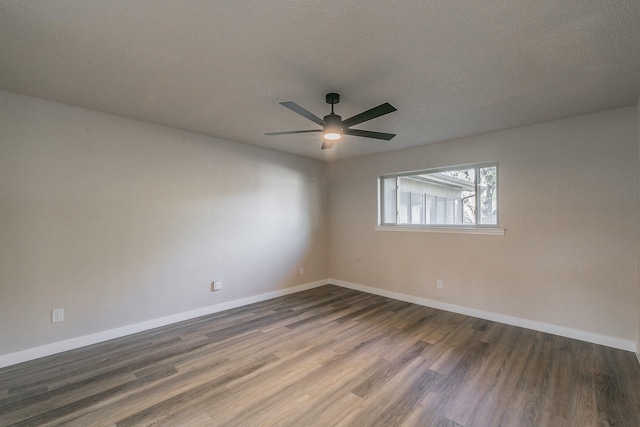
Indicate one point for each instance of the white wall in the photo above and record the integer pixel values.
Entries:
(638, 173)
(567, 201)
(119, 221)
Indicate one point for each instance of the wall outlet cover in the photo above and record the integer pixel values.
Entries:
(57, 315)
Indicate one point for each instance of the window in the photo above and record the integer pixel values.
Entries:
(460, 196)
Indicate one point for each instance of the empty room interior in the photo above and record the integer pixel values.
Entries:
(306, 213)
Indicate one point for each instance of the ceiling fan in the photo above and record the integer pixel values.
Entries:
(333, 127)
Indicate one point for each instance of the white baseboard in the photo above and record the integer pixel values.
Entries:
(61, 346)
(501, 318)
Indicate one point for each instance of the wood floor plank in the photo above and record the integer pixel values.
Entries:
(328, 356)
(388, 370)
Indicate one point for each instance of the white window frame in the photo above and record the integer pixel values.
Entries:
(490, 229)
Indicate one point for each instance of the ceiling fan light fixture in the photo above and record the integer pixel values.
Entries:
(332, 128)
(332, 135)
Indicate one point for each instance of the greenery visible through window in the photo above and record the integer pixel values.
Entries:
(456, 196)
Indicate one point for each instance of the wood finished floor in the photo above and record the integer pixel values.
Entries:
(328, 357)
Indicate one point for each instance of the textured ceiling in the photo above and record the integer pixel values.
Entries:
(452, 68)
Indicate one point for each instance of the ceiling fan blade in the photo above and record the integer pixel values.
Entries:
(304, 113)
(378, 111)
(292, 131)
(326, 143)
(369, 134)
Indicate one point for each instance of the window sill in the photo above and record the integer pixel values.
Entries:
(443, 229)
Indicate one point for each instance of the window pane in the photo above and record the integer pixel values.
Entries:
(457, 207)
(457, 196)
(389, 202)
(441, 210)
(431, 214)
(488, 195)
(417, 208)
(468, 207)
(446, 194)
(466, 175)
(449, 211)
(404, 213)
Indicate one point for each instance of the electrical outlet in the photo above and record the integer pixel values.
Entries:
(439, 284)
(301, 271)
(57, 315)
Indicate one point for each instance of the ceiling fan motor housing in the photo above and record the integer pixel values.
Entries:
(333, 120)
